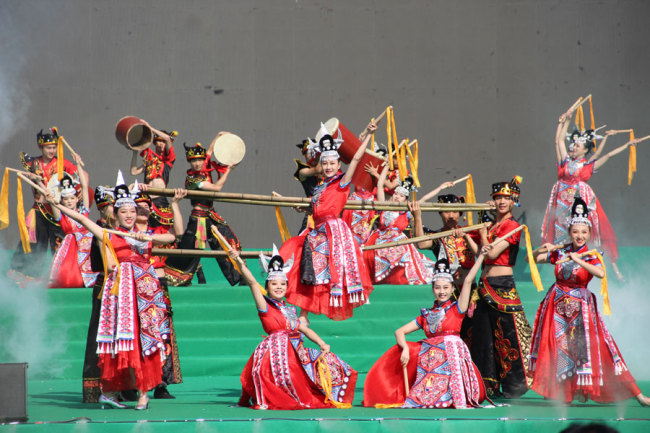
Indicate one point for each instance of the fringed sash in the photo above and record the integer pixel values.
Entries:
(343, 264)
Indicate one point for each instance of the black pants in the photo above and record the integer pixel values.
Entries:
(499, 342)
(180, 270)
(91, 374)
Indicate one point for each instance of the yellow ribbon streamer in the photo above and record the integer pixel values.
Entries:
(413, 161)
(591, 113)
(225, 246)
(389, 146)
(631, 163)
(20, 217)
(4, 201)
(106, 244)
(325, 376)
(372, 137)
(607, 309)
(282, 225)
(59, 158)
(470, 197)
(534, 272)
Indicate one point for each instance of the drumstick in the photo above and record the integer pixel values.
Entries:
(586, 253)
(127, 234)
(457, 181)
(65, 142)
(406, 380)
(639, 140)
(507, 235)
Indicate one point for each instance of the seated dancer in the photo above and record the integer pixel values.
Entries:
(402, 264)
(71, 265)
(500, 333)
(179, 269)
(308, 174)
(133, 322)
(573, 354)
(44, 231)
(282, 373)
(575, 166)
(91, 390)
(171, 369)
(332, 278)
(455, 248)
(439, 369)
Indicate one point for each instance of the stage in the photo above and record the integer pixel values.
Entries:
(218, 329)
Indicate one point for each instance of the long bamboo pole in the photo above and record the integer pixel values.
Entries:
(284, 201)
(432, 236)
(204, 253)
(507, 235)
(376, 120)
(65, 142)
(457, 181)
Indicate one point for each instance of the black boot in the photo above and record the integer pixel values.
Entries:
(161, 392)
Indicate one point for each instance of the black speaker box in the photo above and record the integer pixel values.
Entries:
(13, 392)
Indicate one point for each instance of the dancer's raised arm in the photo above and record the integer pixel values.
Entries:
(347, 177)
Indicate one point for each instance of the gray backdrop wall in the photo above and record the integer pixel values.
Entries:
(480, 83)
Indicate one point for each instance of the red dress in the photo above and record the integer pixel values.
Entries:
(71, 263)
(360, 221)
(329, 275)
(283, 374)
(573, 176)
(440, 371)
(572, 352)
(402, 264)
(133, 321)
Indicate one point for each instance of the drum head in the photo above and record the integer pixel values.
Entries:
(332, 126)
(229, 149)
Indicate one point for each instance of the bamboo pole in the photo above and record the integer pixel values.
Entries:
(568, 259)
(65, 142)
(21, 175)
(238, 262)
(422, 238)
(377, 119)
(204, 253)
(457, 181)
(267, 200)
(406, 380)
(579, 102)
(127, 235)
(507, 235)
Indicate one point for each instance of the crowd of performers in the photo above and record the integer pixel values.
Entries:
(477, 341)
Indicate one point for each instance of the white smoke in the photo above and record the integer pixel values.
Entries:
(14, 98)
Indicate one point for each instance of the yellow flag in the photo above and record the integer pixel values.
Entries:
(20, 216)
(59, 158)
(4, 201)
(631, 162)
(607, 310)
(325, 376)
(470, 197)
(282, 224)
(534, 272)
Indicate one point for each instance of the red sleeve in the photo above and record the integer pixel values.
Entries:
(554, 257)
(66, 225)
(144, 152)
(507, 227)
(420, 321)
(69, 167)
(161, 230)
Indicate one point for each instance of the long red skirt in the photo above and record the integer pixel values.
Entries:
(612, 386)
(130, 369)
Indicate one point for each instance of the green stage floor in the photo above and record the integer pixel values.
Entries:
(218, 329)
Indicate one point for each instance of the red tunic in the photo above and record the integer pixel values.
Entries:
(440, 369)
(402, 264)
(282, 374)
(339, 280)
(573, 176)
(158, 166)
(509, 256)
(572, 352)
(71, 263)
(133, 322)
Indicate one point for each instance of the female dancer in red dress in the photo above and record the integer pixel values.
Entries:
(575, 167)
(71, 265)
(440, 370)
(332, 278)
(402, 264)
(133, 322)
(282, 373)
(573, 354)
